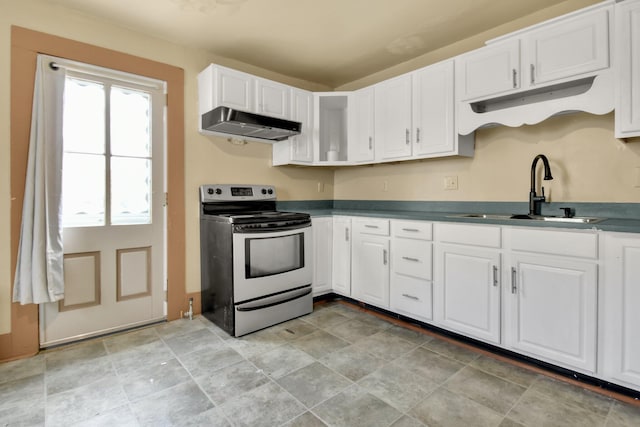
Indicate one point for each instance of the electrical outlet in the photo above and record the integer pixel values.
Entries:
(385, 186)
(450, 182)
(320, 187)
(636, 177)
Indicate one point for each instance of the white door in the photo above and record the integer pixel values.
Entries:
(370, 281)
(434, 109)
(393, 118)
(113, 206)
(362, 118)
(302, 111)
(341, 251)
(273, 98)
(467, 291)
(553, 310)
(322, 241)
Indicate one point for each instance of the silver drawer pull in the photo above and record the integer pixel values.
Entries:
(346, 234)
(384, 256)
(411, 297)
(413, 230)
(371, 226)
(406, 258)
(495, 275)
(514, 274)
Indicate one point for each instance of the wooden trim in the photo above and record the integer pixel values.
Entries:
(23, 340)
(119, 252)
(96, 281)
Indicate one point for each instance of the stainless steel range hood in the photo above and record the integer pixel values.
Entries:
(241, 123)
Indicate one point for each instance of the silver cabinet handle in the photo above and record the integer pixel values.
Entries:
(406, 258)
(371, 226)
(514, 275)
(384, 256)
(346, 234)
(370, 143)
(413, 230)
(495, 275)
(411, 297)
(533, 74)
(418, 135)
(515, 78)
(407, 136)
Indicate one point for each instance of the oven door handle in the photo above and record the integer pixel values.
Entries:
(244, 229)
(273, 300)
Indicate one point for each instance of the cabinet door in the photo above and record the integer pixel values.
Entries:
(620, 316)
(370, 275)
(467, 291)
(393, 118)
(433, 110)
(272, 98)
(234, 89)
(551, 310)
(342, 256)
(569, 48)
(322, 254)
(628, 63)
(302, 111)
(490, 70)
(361, 113)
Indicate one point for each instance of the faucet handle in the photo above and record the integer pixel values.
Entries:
(568, 212)
(542, 191)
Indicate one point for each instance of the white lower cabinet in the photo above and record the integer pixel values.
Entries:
(370, 261)
(551, 297)
(341, 273)
(322, 254)
(619, 309)
(467, 280)
(410, 287)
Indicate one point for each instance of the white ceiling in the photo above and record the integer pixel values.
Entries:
(330, 42)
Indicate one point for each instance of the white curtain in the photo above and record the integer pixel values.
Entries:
(39, 272)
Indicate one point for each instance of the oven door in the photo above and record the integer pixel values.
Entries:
(270, 262)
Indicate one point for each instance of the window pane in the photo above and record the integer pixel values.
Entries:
(130, 123)
(83, 198)
(130, 191)
(83, 121)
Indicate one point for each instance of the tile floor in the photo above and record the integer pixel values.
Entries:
(339, 366)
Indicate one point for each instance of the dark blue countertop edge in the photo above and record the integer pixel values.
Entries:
(619, 217)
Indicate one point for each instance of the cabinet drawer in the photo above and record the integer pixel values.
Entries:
(411, 229)
(551, 242)
(411, 296)
(412, 258)
(464, 234)
(371, 226)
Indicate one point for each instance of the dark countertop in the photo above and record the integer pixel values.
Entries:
(629, 223)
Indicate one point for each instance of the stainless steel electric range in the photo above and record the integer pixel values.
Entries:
(255, 260)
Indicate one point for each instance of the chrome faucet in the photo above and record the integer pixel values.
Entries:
(535, 201)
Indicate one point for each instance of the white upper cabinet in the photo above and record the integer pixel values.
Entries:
(219, 85)
(302, 111)
(528, 76)
(272, 98)
(361, 141)
(393, 118)
(628, 64)
(555, 51)
(490, 70)
(569, 48)
(434, 115)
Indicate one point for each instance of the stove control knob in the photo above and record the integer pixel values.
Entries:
(209, 190)
(264, 191)
(270, 191)
(218, 191)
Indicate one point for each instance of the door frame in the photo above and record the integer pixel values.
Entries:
(23, 339)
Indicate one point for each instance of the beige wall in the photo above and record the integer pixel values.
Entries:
(207, 159)
(587, 162)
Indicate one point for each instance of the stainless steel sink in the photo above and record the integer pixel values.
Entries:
(503, 217)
